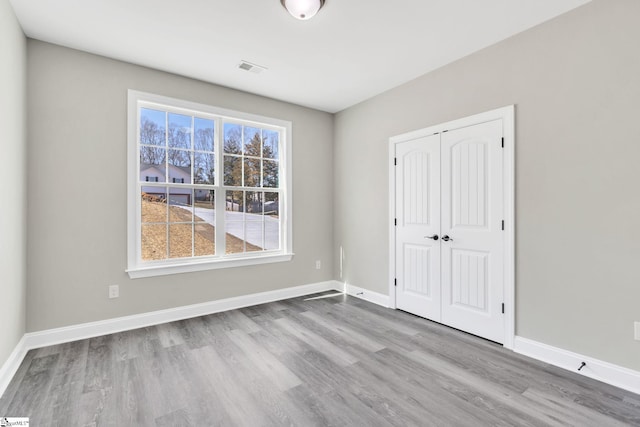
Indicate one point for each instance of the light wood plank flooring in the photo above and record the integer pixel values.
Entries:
(335, 361)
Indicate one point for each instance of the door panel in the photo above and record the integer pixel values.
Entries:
(468, 167)
(418, 216)
(469, 279)
(472, 209)
(417, 267)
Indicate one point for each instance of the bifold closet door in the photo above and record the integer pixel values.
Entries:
(418, 226)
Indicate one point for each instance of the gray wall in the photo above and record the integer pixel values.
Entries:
(575, 82)
(77, 113)
(13, 283)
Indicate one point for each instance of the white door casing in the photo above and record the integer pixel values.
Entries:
(476, 269)
(418, 226)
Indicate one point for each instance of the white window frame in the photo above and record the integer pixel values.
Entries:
(138, 268)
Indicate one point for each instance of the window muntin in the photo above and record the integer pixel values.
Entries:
(192, 162)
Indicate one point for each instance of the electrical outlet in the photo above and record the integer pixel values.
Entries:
(636, 327)
(318, 265)
(114, 291)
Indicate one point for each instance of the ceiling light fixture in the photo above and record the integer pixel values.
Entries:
(302, 9)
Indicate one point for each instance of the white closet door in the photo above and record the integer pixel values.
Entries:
(472, 214)
(418, 226)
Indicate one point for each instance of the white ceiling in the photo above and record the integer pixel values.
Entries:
(351, 51)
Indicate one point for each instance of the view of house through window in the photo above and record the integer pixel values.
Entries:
(177, 221)
(209, 186)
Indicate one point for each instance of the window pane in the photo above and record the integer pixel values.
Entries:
(270, 140)
(270, 174)
(252, 142)
(179, 131)
(152, 164)
(271, 220)
(152, 127)
(179, 167)
(254, 235)
(234, 222)
(180, 240)
(205, 220)
(271, 233)
(205, 206)
(254, 231)
(251, 172)
(205, 240)
(234, 205)
(234, 237)
(271, 204)
(253, 202)
(204, 165)
(232, 170)
(180, 205)
(180, 210)
(232, 138)
(203, 134)
(153, 206)
(154, 241)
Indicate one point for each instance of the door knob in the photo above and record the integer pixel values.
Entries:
(447, 238)
(434, 237)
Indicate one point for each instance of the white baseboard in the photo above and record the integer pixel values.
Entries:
(606, 372)
(10, 367)
(119, 324)
(366, 294)
(93, 329)
(597, 369)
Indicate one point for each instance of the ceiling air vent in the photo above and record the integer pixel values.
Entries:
(248, 66)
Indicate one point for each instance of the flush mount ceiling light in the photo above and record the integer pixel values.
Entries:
(302, 9)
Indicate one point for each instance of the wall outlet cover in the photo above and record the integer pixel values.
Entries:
(114, 291)
(636, 330)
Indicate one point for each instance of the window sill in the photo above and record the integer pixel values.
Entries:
(188, 267)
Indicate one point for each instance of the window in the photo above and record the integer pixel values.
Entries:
(208, 188)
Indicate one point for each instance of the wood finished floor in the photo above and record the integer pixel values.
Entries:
(335, 361)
